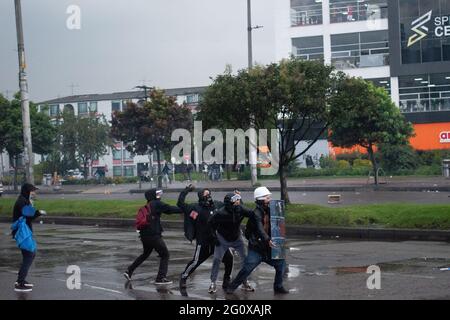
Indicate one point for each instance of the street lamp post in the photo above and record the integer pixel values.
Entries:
(24, 100)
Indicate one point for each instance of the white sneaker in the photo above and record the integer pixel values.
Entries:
(212, 288)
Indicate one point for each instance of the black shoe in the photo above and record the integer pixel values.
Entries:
(183, 283)
(225, 283)
(22, 288)
(163, 281)
(127, 275)
(280, 290)
(26, 284)
(229, 290)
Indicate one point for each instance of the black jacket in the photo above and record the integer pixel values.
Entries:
(22, 201)
(258, 239)
(227, 221)
(157, 207)
(197, 229)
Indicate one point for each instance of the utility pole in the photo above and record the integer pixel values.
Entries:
(252, 144)
(72, 86)
(24, 100)
(145, 88)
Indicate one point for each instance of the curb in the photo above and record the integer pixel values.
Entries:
(321, 188)
(302, 231)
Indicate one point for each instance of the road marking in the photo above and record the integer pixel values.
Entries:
(104, 289)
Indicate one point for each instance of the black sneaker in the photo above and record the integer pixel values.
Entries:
(26, 284)
(280, 290)
(183, 283)
(127, 275)
(22, 288)
(163, 281)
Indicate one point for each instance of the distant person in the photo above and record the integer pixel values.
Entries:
(151, 236)
(22, 230)
(258, 233)
(189, 169)
(205, 171)
(166, 173)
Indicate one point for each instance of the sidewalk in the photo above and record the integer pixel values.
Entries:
(294, 184)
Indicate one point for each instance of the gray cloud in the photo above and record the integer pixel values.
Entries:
(169, 43)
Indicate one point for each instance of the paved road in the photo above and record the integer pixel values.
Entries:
(319, 269)
(315, 197)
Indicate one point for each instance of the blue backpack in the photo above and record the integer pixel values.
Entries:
(23, 236)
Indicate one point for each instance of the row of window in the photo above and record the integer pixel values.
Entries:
(349, 50)
(124, 171)
(309, 12)
(426, 92)
(83, 108)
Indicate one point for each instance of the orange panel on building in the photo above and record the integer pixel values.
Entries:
(430, 136)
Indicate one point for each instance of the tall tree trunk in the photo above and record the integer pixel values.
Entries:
(228, 171)
(16, 164)
(158, 157)
(374, 163)
(85, 164)
(283, 183)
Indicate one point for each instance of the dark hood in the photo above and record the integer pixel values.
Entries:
(205, 201)
(26, 190)
(150, 195)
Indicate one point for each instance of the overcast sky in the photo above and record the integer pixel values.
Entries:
(168, 43)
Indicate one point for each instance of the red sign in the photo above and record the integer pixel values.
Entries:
(445, 137)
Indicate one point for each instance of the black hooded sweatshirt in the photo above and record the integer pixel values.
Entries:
(22, 201)
(205, 207)
(227, 220)
(157, 207)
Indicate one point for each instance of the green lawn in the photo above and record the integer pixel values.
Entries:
(395, 215)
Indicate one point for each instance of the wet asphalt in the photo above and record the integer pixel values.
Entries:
(318, 268)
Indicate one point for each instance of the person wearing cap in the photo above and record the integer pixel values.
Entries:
(259, 244)
(24, 208)
(196, 227)
(151, 237)
(226, 225)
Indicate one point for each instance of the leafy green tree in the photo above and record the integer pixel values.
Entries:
(364, 115)
(149, 127)
(292, 96)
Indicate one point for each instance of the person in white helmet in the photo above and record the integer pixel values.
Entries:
(259, 244)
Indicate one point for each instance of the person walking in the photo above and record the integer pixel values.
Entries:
(151, 236)
(196, 227)
(226, 225)
(23, 215)
(259, 244)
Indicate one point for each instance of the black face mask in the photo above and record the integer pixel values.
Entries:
(207, 201)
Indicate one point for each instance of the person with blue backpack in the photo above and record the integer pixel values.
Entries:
(22, 231)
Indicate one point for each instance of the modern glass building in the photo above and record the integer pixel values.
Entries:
(401, 45)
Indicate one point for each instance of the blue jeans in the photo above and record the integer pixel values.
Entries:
(27, 260)
(253, 260)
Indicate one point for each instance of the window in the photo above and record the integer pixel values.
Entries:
(115, 106)
(382, 83)
(192, 98)
(306, 12)
(117, 171)
(357, 10)
(54, 110)
(434, 47)
(127, 155)
(308, 48)
(360, 50)
(426, 92)
(128, 171)
(116, 154)
(93, 107)
(82, 108)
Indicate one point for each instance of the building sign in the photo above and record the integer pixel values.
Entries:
(420, 27)
(445, 137)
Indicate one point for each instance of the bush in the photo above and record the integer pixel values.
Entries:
(343, 164)
(351, 157)
(398, 157)
(434, 170)
(327, 162)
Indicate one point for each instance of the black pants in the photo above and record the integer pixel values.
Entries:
(27, 260)
(150, 243)
(203, 252)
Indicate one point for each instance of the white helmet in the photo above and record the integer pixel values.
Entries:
(261, 192)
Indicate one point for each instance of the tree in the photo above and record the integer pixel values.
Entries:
(149, 127)
(42, 132)
(365, 115)
(92, 139)
(291, 96)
